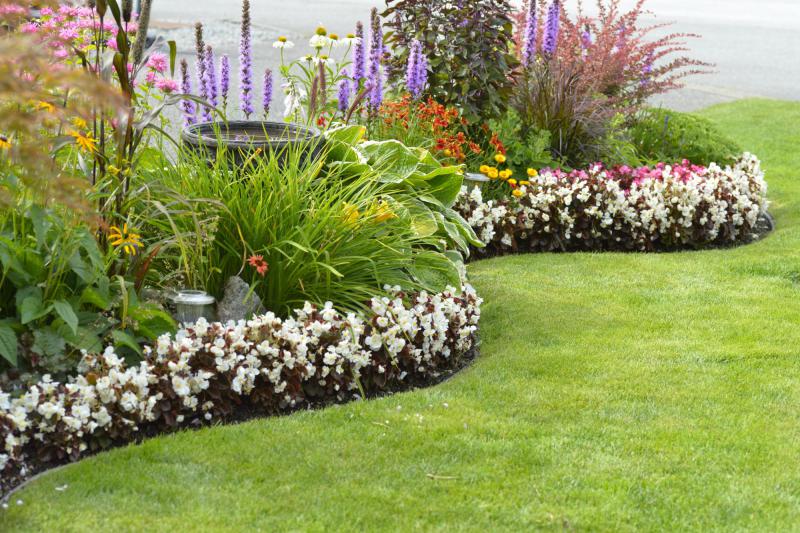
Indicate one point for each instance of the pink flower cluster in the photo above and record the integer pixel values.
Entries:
(628, 177)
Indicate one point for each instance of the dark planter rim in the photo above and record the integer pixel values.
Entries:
(204, 133)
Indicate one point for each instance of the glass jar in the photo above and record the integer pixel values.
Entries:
(190, 305)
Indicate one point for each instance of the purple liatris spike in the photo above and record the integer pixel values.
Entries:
(188, 107)
(212, 88)
(200, 49)
(551, 31)
(344, 93)
(586, 38)
(647, 70)
(530, 44)
(225, 79)
(374, 76)
(246, 63)
(267, 101)
(359, 56)
(417, 71)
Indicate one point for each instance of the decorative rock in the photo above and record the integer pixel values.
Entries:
(237, 302)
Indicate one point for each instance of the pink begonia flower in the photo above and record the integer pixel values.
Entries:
(158, 62)
(167, 85)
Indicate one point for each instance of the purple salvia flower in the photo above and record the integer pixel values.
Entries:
(188, 107)
(246, 63)
(225, 79)
(344, 93)
(551, 31)
(212, 88)
(374, 76)
(267, 101)
(359, 56)
(530, 43)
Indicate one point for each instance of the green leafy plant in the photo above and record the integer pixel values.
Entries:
(468, 45)
(666, 135)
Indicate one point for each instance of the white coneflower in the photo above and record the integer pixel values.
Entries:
(283, 42)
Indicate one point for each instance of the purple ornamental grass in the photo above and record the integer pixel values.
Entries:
(246, 63)
(267, 100)
(225, 80)
(551, 30)
(529, 45)
(359, 56)
(374, 75)
(344, 93)
(212, 88)
(188, 107)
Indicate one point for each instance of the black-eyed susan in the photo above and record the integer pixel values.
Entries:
(4, 142)
(85, 142)
(79, 123)
(122, 238)
(46, 106)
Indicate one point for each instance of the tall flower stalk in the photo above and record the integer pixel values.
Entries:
(417, 70)
(200, 59)
(188, 107)
(246, 63)
(374, 74)
(267, 100)
(344, 93)
(225, 80)
(530, 43)
(212, 88)
(550, 43)
(359, 57)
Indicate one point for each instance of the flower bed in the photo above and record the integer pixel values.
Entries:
(624, 209)
(212, 372)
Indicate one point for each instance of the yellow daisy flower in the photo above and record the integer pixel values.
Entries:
(46, 106)
(4, 142)
(121, 238)
(85, 142)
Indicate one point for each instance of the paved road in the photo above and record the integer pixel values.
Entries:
(755, 44)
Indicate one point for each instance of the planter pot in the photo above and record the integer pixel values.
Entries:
(242, 139)
(191, 305)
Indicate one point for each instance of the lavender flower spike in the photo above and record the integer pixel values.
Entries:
(359, 56)
(551, 31)
(417, 72)
(225, 80)
(344, 93)
(267, 101)
(212, 88)
(246, 63)
(530, 43)
(374, 75)
(188, 107)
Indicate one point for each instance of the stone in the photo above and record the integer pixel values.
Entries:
(237, 303)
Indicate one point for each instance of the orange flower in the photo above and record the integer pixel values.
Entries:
(257, 262)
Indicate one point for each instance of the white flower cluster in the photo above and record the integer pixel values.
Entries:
(595, 213)
(205, 370)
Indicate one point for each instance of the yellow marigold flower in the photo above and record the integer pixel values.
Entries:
(525, 182)
(4, 142)
(46, 106)
(484, 169)
(532, 172)
(517, 193)
(121, 238)
(505, 174)
(492, 174)
(85, 142)
(500, 158)
(512, 182)
(321, 31)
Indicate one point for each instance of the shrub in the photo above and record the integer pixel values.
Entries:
(468, 46)
(665, 135)
(212, 372)
(644, 209)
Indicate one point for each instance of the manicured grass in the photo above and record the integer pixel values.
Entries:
(613, 392)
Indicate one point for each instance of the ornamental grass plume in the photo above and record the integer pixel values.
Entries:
(187, 106)
(246, 63)
(359, 56)
(529, 41)
(141, 33)
(267, 100)
(212, 88)
(550, 43)
(225, 80)
(374, 75)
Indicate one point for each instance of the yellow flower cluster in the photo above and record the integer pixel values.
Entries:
(494, 172)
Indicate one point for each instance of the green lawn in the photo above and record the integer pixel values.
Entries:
(613, 392)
